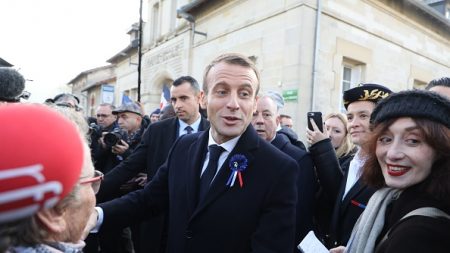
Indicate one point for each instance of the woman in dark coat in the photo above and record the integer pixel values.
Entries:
(331, 148)
(410, 165)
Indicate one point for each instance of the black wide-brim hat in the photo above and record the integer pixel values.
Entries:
(365, 92)
(415, 104)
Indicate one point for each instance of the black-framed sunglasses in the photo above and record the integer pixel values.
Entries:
(94, 181)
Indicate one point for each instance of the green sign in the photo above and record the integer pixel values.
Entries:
(290, 95)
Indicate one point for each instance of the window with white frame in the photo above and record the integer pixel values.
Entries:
(352, 74)
(133, 94)
(155, 22)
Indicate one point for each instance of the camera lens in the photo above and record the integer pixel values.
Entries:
(111, 139)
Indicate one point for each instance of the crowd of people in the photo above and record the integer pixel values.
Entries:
(220, 169)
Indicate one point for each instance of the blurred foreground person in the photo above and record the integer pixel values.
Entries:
(409, 163)
(47, 185)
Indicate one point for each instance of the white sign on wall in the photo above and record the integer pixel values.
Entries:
(107, 94)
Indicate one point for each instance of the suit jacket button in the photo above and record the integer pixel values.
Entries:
(188, 234)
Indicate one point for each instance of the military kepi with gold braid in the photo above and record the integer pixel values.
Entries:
(366, 92)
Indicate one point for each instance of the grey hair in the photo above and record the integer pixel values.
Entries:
(276, 97)
(75, 117)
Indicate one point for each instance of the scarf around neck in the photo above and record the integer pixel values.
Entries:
(54, 247)
(371, 222)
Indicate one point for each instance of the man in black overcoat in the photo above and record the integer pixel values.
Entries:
(225, 190)
(266, 121)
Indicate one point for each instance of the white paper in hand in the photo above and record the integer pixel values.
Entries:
(311, 244)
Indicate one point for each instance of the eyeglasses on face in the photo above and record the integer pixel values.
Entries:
(103, 115)
(94, 181)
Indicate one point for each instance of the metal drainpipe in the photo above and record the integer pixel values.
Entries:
(139, 53)
(191, 47)
(316, 52)
(183, 13)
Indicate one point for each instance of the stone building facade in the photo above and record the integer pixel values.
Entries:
(308, 50)
(93, 87)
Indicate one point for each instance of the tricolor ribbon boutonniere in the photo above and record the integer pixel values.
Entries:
(238, 163)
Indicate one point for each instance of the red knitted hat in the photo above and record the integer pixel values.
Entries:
(41, 159)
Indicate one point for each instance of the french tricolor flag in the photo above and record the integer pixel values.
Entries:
(165, 97)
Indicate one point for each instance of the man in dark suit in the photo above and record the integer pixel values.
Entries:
(343, 185)
(160, 136)
(225, 190)
(153, 151)
(266, 120)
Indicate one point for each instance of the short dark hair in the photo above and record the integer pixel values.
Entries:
(233, 59)
(443, 81)
(437, 136)
(182, 79)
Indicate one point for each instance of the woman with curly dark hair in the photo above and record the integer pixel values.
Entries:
(409, 164)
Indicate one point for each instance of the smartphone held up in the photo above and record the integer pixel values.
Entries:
(317, 117)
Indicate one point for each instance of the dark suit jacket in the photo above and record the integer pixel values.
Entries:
(346, 212)
(332, 178)
(150, 155)
(306, 185)
(259, 217)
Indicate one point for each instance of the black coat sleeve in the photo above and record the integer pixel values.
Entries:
(126, 170)
(328, 170)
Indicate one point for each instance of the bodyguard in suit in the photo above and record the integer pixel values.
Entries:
(186, 97)
(266, 120)
(225, 190)
(346, 191)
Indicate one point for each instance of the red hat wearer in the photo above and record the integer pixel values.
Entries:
(41, 157)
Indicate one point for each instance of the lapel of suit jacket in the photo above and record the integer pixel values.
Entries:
(196, 157)
(175, 130)
(338, 206)
(356, 188)
(249, 141)
(204, 125)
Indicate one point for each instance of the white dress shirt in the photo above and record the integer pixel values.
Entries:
(354, 171)
(228, 146)
(183, 125)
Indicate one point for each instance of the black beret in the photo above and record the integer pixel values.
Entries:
(365, 92)
(415, 104)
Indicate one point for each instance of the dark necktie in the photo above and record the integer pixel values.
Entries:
(188, 129)
(210, 171)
